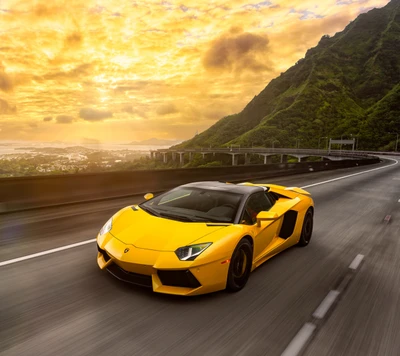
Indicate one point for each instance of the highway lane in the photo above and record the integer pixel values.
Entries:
(37, 230)
(62, 304)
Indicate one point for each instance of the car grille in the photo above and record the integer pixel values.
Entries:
(178, 279)
(130, 277)
(104, 253)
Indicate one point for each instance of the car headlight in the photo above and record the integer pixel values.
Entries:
(106, 228)
(189, 253)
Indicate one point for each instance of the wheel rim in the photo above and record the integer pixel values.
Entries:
(240, 267)
(308, 226)
(239, 264)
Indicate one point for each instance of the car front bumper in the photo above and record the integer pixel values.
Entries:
(164, 277)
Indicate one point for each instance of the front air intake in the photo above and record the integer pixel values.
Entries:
(104, 253)
(178, 279)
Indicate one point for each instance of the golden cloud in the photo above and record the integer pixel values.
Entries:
(159, 69)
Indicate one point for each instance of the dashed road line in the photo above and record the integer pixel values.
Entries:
(356, 262)
(300, 340)
(325, 305)
(303, 338)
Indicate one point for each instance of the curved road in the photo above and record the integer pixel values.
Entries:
(62, 304)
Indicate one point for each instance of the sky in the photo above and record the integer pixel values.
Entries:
(121, 71)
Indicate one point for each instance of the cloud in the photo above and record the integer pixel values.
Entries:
(74, 39)
(166, 109)
(76, 72)
(46, 11)
(90, 114)
(5, 81)
(47, 119)
(33, 125)
(6, 108)
(64, 119)
(236, 51)
(65, 58)
(128, 108)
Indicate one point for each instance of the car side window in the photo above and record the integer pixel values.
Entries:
(256, 203)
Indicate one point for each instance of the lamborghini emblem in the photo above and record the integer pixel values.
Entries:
(126, 250)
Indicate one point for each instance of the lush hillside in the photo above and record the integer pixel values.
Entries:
(347, 85)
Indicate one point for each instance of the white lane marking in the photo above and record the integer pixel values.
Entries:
(43, 253)
(326, 304)
(299, 341)
(92, 240)
(356, 262)
(351, 175)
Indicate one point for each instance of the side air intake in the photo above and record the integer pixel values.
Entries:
(288, 224)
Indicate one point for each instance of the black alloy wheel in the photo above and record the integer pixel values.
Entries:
(307, 229)
(240, 266)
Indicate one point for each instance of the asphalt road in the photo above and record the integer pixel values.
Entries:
(62, 304)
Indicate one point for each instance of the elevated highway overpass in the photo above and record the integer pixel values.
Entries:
(186, 155)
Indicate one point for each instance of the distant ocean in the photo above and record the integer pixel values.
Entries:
(12, 147)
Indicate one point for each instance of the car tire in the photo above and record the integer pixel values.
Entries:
(240, 266)
(307, 229)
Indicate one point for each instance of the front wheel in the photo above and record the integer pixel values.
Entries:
(306, 231)
(240, 266)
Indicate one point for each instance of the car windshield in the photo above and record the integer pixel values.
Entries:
(195, 204)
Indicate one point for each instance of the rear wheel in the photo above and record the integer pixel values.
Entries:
(240, 266)
(306, 231)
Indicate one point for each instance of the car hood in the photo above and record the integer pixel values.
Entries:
(143, 230)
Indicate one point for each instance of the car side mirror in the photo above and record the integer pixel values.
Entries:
(266, 216)
(149, 196)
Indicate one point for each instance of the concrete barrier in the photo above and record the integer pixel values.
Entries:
(23, 193)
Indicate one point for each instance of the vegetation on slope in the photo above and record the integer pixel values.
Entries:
(347, 86)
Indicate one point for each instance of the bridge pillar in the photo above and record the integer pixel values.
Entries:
(246, 158)
(190, 156)
(234, 159)
(181, 158)
(151, 154)
(267, 159)
(283, 158)
(203, 154)
(165, 158)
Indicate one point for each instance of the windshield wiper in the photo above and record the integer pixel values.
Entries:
(149, 210)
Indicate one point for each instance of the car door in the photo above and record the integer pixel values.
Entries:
(264, 234)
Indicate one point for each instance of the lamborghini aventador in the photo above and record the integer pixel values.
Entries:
(205, 236)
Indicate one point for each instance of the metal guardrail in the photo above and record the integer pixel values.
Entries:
(275, 150)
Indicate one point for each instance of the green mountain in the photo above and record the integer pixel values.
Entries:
(349, 84)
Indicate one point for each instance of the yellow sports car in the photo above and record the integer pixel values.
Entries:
(203, 237)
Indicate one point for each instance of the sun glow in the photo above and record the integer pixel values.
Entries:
(147, 69)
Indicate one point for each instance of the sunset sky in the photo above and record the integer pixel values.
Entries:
(130, 70)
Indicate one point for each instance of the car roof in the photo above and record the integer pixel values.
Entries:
(228, 187)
